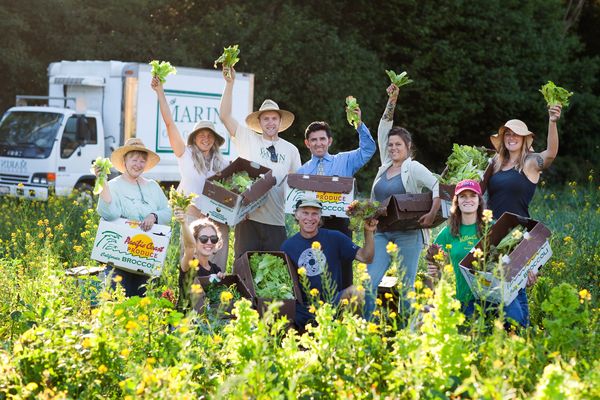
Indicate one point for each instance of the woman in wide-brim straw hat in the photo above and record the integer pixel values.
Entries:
(517, 170)
(134, 197)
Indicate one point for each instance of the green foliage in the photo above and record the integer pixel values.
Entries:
(162, 69)
(400, 79)
(555, 94)
(104, 166)
(352, 115)
(271, 276)
(238, 182)
(229, 57)
(465, 162)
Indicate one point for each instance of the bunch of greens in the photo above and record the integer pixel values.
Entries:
(465, 162)
(180, 200)
(501, 251)
(104, 165)
(271, 277)
(555, 94)
(162, 69)
(398, 80)
(229, 57)
(238, 182)
(214, 290)
(352, 111)
(360, 211)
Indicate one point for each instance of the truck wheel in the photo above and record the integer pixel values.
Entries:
(85, 192)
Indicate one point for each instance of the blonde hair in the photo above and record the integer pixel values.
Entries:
(503, 155)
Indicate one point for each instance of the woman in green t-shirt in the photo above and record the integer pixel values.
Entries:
(462, 233)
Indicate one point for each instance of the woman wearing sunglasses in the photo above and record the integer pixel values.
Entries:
(201, 239)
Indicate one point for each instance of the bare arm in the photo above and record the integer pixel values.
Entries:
(366, 253)
(175, 139)
(388, 113)
(225, 108)
(551, 151)
(188, 240)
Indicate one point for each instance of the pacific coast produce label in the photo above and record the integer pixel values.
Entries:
(125, 245)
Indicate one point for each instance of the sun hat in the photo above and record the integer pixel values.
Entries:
(518, 127)
(204, 124)
(308, 203)
(133, 144)
(252, 120)
(467, 184)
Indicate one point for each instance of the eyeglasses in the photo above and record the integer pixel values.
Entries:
(271, 149)
(204, 239)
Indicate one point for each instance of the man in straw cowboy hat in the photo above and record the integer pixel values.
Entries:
(133, 197)
(259, 141)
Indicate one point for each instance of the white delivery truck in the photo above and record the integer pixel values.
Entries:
(92, 108)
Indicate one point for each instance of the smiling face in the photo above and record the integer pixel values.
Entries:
(468, 202)
(269, 123)
(135, 163)
(206, 249)
(308, 220)
(318, 143)
(397, 148)
(204, 140)
(512, 141)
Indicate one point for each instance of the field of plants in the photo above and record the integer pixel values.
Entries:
(62, 338)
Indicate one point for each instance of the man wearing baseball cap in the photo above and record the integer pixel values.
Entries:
(259, 141)
(319, 250)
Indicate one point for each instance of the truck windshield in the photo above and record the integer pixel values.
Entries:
(28, 134)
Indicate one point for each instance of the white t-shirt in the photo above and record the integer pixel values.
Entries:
(251, 146)
(192, 181)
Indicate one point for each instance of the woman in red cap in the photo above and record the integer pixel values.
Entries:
(459, 236)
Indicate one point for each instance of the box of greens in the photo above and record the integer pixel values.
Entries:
(237, 190)
(515, 245)
(465, 162)
(213, 289)
(270, 276)
(402, 212)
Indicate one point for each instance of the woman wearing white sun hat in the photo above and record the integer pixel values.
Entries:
(134, 197)
(198, 160)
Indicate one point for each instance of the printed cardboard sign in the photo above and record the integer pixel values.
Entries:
(334, 192)
(123, 244)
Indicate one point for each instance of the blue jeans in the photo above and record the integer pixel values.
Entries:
(410, 244)
(518, 310)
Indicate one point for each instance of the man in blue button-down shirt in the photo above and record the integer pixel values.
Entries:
(317, 137)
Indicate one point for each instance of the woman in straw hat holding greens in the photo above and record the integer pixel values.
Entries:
(134, 197)
(198, 159)
(517, 170)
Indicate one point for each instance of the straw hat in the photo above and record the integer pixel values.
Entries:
(205, 125)
(134, 144)
(252, 122)
(518, 127)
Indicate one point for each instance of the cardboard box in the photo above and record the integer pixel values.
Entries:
(241, 266)
(227, 281)
(529, 255)
(336, 193)
(404, 210)
(124, 244)
(229, 208)
(447, 191)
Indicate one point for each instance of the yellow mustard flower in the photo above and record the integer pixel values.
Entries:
(145, 301)
(314, 292)
(302, 271)
(226, 297)
(488, 215)
(391, 248)
(102, 369)
(316, 245)
(196, 288)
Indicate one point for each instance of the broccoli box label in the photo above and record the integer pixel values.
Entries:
(123, 244)
(530, 254)
(334, 192)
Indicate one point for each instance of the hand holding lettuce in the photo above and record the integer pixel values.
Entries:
(103, 165)
(352, 111)
(555, 95)
(162, 69)
(180, 200)
(229, 58)
(398, 80)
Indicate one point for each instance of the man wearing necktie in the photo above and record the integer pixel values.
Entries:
(318, 138)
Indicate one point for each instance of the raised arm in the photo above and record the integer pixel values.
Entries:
(366, 253)
(386, 122)
(175, 139)
(551, 151)
(189, 247)
(225, 108)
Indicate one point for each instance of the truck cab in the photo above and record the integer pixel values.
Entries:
(44, 149)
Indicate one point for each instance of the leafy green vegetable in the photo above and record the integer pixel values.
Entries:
(180, 200)
(162, 69)
(105, 165)
(398, 80)
(360, 211)
(271, 277)
(465, 162)
(508, 243)
(238, 182)
(555, 94)
(229, 57)
(352, 112)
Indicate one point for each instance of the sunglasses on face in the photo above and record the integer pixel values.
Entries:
(271, 149)
(204, 239)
